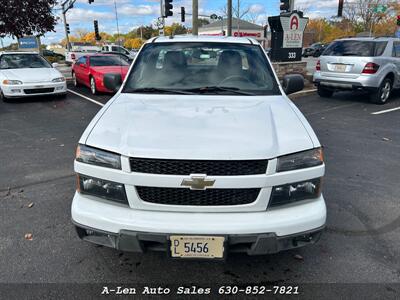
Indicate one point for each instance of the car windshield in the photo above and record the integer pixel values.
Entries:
(202, 68)
(110, 60)
(355, 48)
(22, 61)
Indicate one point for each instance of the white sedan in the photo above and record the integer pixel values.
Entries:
(24, 74)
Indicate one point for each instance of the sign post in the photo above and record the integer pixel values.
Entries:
(287, 36)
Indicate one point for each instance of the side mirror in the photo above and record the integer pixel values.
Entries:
(293, 83)
(112, 81)
(82, 65)
(55, 65)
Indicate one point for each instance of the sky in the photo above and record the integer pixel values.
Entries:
(133, 13)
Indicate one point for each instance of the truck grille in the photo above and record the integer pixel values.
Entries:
(210, 197)
(209, 167)
(38, 91)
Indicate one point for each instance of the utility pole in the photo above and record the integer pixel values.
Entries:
(195, 17)
(65, 28)
(66, 5)
(229, 23)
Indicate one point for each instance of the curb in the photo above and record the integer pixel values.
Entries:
(302, 93)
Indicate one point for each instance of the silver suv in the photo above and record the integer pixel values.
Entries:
(367, 64)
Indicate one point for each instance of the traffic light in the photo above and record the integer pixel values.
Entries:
(340, 8)
(96, 30)
(90, 1)
(168, 8)
(182, 14)
(285, 5)
(398, 20)
(67, 27)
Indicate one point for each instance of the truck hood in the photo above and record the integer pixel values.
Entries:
(200, 127)
(28, 75)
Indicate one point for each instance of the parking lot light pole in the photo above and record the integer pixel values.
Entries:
(229, 21)
(195, 17)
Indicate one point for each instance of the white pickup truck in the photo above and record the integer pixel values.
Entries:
(78, 50)
(200, 153)
(118, 49)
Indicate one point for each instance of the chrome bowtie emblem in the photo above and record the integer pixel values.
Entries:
(198, 182)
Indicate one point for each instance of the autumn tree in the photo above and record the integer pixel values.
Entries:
(26, 17)
(133, 43)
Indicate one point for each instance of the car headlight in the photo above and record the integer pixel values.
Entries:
(305, 159)
(101, 188)
(293, 192)
(11, 82)
(98, 157)
(59, 79)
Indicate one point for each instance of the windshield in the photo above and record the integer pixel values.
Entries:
(355, 48)
(21, 61)
(206, 68)
(111, 60)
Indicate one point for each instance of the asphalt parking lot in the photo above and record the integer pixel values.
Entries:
(361, 244)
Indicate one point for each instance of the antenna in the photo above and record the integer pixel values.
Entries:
(118, 35)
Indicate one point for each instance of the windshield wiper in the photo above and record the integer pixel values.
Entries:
(234, 90)
(154, 90)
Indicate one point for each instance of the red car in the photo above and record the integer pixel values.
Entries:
(89, 70)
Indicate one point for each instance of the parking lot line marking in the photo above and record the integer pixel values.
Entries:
(385, 111)
(84, 97)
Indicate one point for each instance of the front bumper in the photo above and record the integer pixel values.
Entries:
(252, 244)
(18, 91)
(260, 232)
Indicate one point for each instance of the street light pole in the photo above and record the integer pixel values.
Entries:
(229, 23)
(195, 17)
(65, 28)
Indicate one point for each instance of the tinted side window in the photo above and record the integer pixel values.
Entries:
(82, 60)
(380, 48)
(396, 49)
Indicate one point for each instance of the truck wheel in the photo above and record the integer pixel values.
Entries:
(383, 93)
(323, 92)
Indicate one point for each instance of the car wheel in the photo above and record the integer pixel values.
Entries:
(74, 80)
(324, 92)
(383, 93)
(4, 98)
(93, 87)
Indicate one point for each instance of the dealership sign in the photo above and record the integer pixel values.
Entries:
(29, 42)
(293, 29)
(287, 32)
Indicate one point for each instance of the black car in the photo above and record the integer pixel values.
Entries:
(314, 50)
(52, 54)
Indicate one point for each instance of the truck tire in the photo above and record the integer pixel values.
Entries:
(324, 92)
(383, 92)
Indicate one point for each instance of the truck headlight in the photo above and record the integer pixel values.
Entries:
(59, 79)
(11, 82)
(98, 157)
(305, 159)
(293, 192)
(101, 188)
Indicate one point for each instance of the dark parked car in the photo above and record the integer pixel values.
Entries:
(53, 56)
(314, 50)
